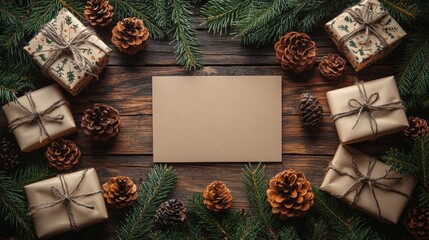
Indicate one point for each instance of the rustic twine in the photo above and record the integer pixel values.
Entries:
(71, 46)
(363, 180)
(367, 19)
(367, 104)
(35, 116)
(66, 197)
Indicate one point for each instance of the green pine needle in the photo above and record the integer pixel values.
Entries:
(288, 232)
(315, 229)
(11, 85)
(220, 15)
(404, 11)
(255, 185)
(33, 170)
(139, 221)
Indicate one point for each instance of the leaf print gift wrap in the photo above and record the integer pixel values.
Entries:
(365, 33)
(69, 52)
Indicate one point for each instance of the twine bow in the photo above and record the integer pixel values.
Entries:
(35, 116)
(71, 46)
(367, 19)
(365, 180)
(367, 104)
(65, 197)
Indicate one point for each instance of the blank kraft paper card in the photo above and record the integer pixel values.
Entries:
(217, 119)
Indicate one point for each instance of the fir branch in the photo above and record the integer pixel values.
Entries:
(154, 191)
(9, 13)
(220, 15)
(34, 170)
(11, 85)
(404, 11)
(247, 229)
(255, 186)
(13, 207)
(187, 51)
(288, 232)
(341, 219)
(315, 229)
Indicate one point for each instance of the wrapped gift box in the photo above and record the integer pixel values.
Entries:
(50, 214)
(72, 71)
(360, 44)
(391, 190)
(56, 119)
(367, 110)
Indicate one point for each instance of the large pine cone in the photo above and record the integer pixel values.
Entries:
(10, 154)
(130, 35)
(217, 197)
(101, 122)
(170, 212)
(310, 110)
(98, 12)
(120, 191)
(290, 194)
(418, 222)
(332, 66)
(418, 127)
(296, 51)
(62, 154)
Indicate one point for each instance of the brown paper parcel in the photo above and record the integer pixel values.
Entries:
(353, 129)
(54, 220)
(391, 203)
(359, 52)
(28, 135)
(64, 70)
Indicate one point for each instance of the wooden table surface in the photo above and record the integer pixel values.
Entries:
(126, 85)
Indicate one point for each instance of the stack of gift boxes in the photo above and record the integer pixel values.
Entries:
(366, 33)
(72, 55)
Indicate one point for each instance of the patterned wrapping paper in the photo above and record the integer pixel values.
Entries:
(392, 191)
(53, 220)
(356, 127)
(64, 70)
(360, 54)
(29, 136)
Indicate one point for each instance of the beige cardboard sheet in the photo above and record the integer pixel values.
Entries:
(217, 119)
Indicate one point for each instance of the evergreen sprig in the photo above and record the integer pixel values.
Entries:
(315, 229)
(414, 163)
(139, 221)
(11, 85)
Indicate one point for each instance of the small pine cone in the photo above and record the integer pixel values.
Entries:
(418, 222)
(217, 197)
(98, 12)
(101, 122)
(120, 191)
(296, 52)
(310, 110)
(9, 154)
(170, 212)
(290, 194)
(62, 154)
(130, 35)
(418, 127)
(332, 66)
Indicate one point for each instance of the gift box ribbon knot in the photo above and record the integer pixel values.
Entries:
(35, 116)
(365, 180)
(62, 46)
(367, 104)
(367, 19)
(65, 197)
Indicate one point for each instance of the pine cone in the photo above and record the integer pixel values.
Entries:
(101, 122)
(120, 191)
(332, 66)
(296, 51)
(130, 35)
(9, 154)
(290, 194)
(171, 212)
(62, 154)
(310, 110)
(217, 197)
(418, 222)
(98, 12)
(418, 127)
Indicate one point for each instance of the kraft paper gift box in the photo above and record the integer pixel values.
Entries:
(52, 215)
(350, 175)
(367, 110)
(69, 52)
(39, 117)
(365, 33)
